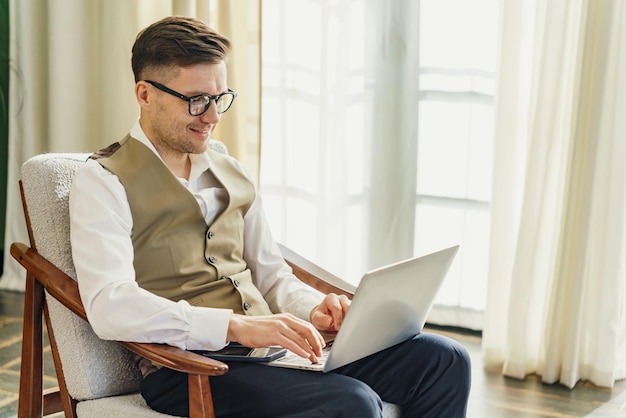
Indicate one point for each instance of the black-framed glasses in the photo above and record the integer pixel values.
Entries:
(199, 104)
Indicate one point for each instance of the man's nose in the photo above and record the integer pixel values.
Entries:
(211, 115)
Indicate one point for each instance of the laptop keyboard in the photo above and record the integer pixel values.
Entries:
(296, 359)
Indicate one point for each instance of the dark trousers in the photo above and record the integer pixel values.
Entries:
(428, 376)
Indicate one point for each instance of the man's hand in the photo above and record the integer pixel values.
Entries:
(283, 329)
(328, 315)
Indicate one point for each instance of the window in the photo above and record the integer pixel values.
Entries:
(325, 128)
(457, 81)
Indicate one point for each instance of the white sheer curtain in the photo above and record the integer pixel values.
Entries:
(316, 138)
(336, 144)
(339, 165)
(71, 85)
(557, 288)
(331, 136)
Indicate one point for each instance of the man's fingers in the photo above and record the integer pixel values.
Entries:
(304, 346)
(338, 307)
(285, 330)
(302, 338)
(344, 303)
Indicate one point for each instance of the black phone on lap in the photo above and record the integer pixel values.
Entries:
(238, 352)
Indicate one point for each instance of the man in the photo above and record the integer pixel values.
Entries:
(171, 245)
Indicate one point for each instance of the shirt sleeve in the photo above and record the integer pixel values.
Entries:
(102, 251)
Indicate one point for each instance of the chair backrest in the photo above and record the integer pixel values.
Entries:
(93, 368)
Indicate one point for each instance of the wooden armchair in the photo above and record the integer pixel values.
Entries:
(96, 378)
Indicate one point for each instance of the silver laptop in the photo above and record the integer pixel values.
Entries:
(390, 305)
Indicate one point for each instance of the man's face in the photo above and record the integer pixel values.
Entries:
(165, 118)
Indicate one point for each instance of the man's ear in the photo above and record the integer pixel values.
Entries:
(142, 93)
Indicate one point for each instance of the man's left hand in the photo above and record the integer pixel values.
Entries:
(328, 315)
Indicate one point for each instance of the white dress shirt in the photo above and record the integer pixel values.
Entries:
(102, 251)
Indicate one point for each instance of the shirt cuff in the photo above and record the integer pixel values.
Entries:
(209, 328)
(304, 308)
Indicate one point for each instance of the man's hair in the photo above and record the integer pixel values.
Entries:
(177, 41)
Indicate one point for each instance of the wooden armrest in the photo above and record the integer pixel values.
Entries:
(315, 276)
(178, 359)
(64, 289)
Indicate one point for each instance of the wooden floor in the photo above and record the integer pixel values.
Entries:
(496, 396)
(492, 395)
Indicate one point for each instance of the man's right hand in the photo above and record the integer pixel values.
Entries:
(283, 329)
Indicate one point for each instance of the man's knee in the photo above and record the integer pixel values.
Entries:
(449, 357)
(459, 364)
(443, 378)
(355, 399)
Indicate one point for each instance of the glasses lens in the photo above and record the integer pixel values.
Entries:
(224, 101)
(199, 105)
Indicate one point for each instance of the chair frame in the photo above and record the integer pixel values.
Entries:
(42, 276)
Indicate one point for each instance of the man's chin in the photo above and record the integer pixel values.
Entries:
(197, 145)
(199, 149)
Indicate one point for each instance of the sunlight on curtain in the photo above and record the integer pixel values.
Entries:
(557, 286)
(377, 136)
(240, 128)
(458, 57)
(314, 129)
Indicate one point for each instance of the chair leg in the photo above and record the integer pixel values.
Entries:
(30, 402)
(52, 402)
(200, 398)
(61, 401)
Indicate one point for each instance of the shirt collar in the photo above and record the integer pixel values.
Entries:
(199, 162)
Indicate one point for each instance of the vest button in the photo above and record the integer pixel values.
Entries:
(246, 306)
(236, 283)
(210, 235)
(212, 260)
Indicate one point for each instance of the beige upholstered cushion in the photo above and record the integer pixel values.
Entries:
(93, 368)
(128, 406)
(391, 410)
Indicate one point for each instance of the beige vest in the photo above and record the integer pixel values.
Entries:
(176, 255)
